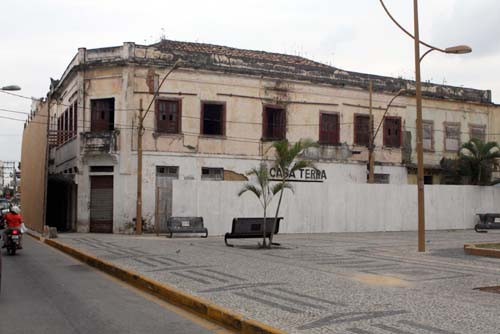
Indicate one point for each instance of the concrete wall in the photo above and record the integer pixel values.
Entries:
(338, 207)
(33, 170)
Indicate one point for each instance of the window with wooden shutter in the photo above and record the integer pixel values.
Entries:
(428, 135)
(452, 136)
(70, 122)
(362, 130)
(59, 130)
(477, 131)
(75, 118)
(392, 132)
(329, 129)
(102, 115)
(274, 123)
(213, 118)
(168, 116)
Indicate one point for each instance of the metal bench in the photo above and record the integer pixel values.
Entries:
(186, 225)
(243, 228)
(487, 221)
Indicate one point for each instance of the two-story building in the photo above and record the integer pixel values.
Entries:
(216, 116)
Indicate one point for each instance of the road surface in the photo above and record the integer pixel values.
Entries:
(45, 291)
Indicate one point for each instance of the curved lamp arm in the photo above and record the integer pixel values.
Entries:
(401, 91)
(406, 31)
(459, 49)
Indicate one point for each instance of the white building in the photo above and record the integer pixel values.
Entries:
(215, 118)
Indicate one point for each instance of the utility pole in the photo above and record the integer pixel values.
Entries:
(140, 132)
(138, 214)
(371, 144)
(420, 151)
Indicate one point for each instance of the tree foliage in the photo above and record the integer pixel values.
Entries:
(288, 161)
(474, 164)
(263, 190)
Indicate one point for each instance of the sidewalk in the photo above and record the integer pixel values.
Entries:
(324, 283)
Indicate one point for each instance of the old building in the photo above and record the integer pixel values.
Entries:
(215, 118)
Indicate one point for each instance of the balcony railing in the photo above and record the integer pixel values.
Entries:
(102, 142)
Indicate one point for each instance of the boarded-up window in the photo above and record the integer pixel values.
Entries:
(213, 119)
(329, 129)
(168, 116)
(451, 136)
(392, 132)
(274, 123)
(208, 173)
(477, 131)
(102, 115)
(362, 130)
(428, 135)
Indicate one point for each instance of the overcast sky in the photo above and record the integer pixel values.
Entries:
(39, 38)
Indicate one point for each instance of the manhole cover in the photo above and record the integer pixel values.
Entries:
(494, 289)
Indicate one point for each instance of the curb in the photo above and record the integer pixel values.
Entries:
(37, 237)
(167, 293)
(472, 249)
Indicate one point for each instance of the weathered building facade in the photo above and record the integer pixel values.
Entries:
(215, 118)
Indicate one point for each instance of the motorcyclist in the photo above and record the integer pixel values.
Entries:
(13, 220)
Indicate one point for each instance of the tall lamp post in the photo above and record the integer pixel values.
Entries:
(460, 49)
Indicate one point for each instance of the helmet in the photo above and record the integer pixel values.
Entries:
(15, 209)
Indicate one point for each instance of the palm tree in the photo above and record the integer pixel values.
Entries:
(480, 158)
(287, 163)
(263, 191)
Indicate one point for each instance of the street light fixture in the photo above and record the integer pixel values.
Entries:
(10, 88)
(460, 49)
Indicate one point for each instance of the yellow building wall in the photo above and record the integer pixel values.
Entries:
(33, 171)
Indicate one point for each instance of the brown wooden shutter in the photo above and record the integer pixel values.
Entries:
(264, 123)
(392, 132)
(282, 123)
(329, 129)
(75, 117)
(362, 129)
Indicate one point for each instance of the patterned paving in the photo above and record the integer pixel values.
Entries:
(317, 283)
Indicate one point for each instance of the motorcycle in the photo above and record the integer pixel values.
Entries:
(13, 242)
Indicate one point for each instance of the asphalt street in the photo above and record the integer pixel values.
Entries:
(45, 291)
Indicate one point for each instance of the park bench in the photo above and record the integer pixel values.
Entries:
(487, 221)
(186, 225)
(243, 228)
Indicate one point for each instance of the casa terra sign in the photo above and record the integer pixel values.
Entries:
(301, 175)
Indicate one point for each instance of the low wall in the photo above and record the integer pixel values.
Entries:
(330, 207)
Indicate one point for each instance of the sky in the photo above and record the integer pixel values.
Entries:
(39, 38)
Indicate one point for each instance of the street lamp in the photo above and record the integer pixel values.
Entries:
(10, 88)
(460, 49)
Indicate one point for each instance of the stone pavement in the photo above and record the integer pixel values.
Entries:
(355, 283)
